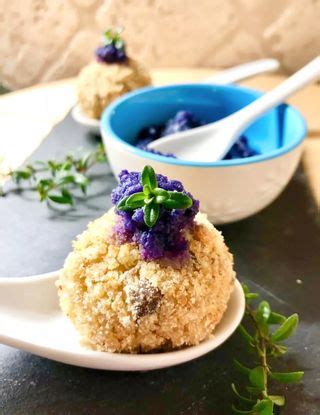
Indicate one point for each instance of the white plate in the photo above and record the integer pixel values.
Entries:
(92, 124)
(31, 320)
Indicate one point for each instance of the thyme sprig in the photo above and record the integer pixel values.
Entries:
(56, 180)
(152, 197)
(113, 37)
(269, 329)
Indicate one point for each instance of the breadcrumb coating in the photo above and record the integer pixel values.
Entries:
(99, 84)
(121, 303)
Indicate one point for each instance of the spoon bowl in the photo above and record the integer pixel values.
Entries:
(31, 320)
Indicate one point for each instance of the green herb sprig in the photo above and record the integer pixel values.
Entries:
(113, 37)
(152, 197)
(54, 181)
(269, 329)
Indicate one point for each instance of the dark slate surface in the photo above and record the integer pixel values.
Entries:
(272, 250)
(35, 239)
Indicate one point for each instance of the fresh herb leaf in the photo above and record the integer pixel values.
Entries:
(151, 214)
(286, 329)
(265, 344)
(63, 199)
(263, 312)
(54, 181)
(177, 200)
(276, 318)
(241, 397)
(122, 205)
(245, 335)
(290, 377)
(257, 378)
(264, 407)
(135, 200)
(148, 177)
(277, 399)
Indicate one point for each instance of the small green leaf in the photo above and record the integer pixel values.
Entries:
(119, 43)
(241, 368)
(276, 318)
(160, 199)
(245, 288)
(151, 214)
(245, 335)
(81, 179)
(278, 350)
(19, 175)
(86, 160)
(264, 407)
(46, 183)
(286, 328)
(148, 177)
(53, 166)
(241, 397)
(263, 312)
(66, 193)
(66, 180)
(251, 296)
(66, 200)
(277, 399)
(149, 200)
(66, 166)
(160, 192)
(290, 377)
(146, 190)
(136, 200)
(257, 377)
(122, 205)
(83, 188)
(177, 200)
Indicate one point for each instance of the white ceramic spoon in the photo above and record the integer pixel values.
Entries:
(31, 320)
(211, 142)
(237, 73)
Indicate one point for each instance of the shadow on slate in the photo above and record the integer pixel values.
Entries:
(272, 250)
(35, 239)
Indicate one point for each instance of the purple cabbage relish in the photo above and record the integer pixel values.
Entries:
(112, 49)
(161, 210)
(182, 121)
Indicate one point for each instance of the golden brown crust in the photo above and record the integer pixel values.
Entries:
(99, 84)
(101, 283)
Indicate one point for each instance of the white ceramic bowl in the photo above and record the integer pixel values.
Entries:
(229, 190)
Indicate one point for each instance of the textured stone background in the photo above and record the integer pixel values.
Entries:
(43, 40)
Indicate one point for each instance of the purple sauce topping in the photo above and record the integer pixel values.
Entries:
(166, 237)
(182, 121)
(113, 48)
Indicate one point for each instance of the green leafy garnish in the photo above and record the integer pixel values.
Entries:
(113, 36)
(264, 341)
(54, 180)
(152, 197)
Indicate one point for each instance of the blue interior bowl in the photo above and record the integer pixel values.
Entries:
(277, 132)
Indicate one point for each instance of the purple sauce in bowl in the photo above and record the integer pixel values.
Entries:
(183, 121)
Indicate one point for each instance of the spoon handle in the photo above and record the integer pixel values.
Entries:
(297, 81)
(246, 70)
